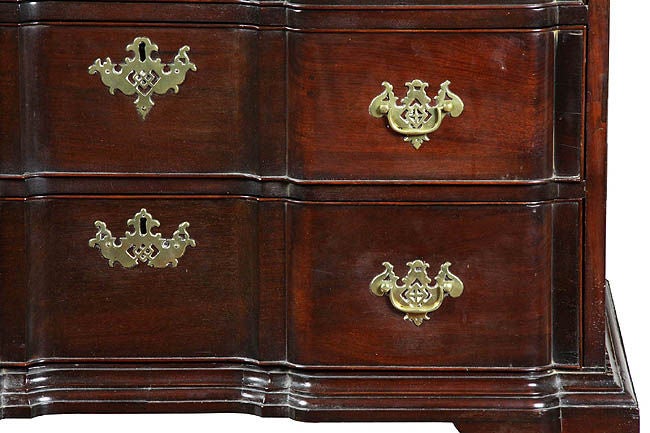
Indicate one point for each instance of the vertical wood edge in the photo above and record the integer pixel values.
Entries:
(13, 282)
(569, 103)
(567, 273)
(271, 282)
(596, 175)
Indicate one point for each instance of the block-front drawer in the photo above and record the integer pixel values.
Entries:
(317, 284)
(414, 285)
(433, 105)
(116, 298)
(197, 111)
(487, 105)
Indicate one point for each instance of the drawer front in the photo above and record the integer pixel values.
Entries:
(230, 115)
(278, 281)
(81, 307)
(212, 124)
(501, 253)
(504, 78)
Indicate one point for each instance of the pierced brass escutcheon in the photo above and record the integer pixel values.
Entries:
(141, 245)
(416, 297)
(415, 118)
(142, 75)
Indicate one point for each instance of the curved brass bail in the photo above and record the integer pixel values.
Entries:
(397, 123)
(431, 303)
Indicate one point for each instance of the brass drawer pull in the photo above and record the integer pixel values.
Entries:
(416, 118)
(416, 297)
(142, 74)
(141, 245)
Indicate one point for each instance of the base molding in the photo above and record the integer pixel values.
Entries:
(547, 401)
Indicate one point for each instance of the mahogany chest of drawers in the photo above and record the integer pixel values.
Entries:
(339, 210)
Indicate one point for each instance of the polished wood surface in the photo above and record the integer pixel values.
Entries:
(334, 319)
(295, 196)
(504, 78)
(108, 135)
(79, 307)
(13, 281)
(506, 132)
(568, 136)
(10, 117)
(596, 171)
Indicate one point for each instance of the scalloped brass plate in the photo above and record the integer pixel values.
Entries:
(142, 75)
(142, 245)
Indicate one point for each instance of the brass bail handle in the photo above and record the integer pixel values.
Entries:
(415, 118)
(416, 298)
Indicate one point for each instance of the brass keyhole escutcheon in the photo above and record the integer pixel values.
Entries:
(143, 75)
(142, 245)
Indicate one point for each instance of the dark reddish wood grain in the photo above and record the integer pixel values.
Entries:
(596, 173)
(567, 282)
(248, 129)
(80, 307)
(13, 281)
(504, 78)
(211, 125)
(271, 276)
(419, 17)
(569, 103)
(10, 159)
(502, 319)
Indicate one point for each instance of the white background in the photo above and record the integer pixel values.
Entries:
(628, 208)
(628, 260)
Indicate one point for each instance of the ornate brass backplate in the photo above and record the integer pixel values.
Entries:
(416, 297)
(141, 245)
(143, 75)
(415, 118)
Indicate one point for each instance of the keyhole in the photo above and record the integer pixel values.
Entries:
(143, 226)
(142, 52)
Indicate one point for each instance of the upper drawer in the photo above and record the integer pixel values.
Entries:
(214, 122)
(505, 80)
(241, 112)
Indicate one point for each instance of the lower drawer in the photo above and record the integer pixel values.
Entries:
(502, 254)
(81, 307)
(281, 281)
